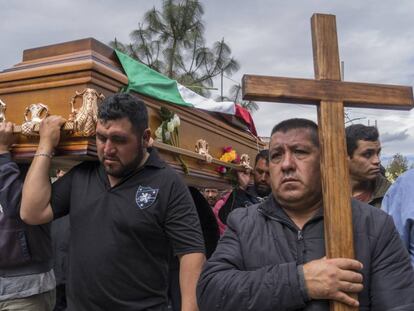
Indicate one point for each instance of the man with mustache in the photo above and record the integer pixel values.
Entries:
(211, 195)
(272, 255)
(363, 146)
(127, 212)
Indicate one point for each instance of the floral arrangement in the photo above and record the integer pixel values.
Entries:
(229, 156)
(167, 132)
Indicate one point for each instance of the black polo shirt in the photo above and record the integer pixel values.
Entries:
(121, 237)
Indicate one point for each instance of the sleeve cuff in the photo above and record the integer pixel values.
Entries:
(302, 284)
(185, 251)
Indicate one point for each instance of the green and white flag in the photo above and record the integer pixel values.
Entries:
(146, 81)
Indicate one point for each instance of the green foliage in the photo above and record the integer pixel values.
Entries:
(166, 114)
(396, 167)
(236, 97)
(171, 41)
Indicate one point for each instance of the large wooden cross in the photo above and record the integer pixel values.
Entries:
(330, 94)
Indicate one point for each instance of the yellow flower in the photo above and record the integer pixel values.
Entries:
(229, 156)
(224, 157)
(233, 155)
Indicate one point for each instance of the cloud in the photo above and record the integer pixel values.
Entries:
(267, 37)
(399, 136)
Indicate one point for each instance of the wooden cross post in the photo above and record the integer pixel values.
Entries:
(330, 95)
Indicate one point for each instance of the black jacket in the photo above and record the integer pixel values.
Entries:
(237, 199)
(258, 263)
(24, 249)
(381, 186)
(208, 221)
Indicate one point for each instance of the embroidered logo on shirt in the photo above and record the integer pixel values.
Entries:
(145, 197)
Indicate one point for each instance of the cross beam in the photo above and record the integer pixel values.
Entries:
(331, 95)
(307, 91)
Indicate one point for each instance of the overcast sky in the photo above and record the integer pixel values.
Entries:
(267, 37)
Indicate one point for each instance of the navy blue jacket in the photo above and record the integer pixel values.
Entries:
(24, 249)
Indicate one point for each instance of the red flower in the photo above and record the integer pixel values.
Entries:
(227, 149)
(237, 160)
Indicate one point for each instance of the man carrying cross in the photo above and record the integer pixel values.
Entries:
(272, 254)
(331, 95)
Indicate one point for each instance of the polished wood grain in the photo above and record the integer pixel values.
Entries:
(70, 47)
(51, 75)
(307, 91)
(336, 189)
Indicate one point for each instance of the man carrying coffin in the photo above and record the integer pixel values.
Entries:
(127, 212)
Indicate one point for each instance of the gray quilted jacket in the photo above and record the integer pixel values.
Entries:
(258, 264)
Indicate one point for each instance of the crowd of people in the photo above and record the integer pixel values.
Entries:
(126, 233)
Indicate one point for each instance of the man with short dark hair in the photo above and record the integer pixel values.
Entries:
(127, 212)
(246, 194)
(272, 255)
(363, 146)
(211, 195)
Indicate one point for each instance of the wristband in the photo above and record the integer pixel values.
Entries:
(43, 155)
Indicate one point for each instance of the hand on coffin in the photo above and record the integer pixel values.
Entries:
(6, 136)
(49, 132)
(243, 178)
(333, 279)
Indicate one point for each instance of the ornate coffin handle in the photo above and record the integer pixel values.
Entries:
(84, 119)
(245, 161)
(37, 113)
(201, 147)
(3, 107)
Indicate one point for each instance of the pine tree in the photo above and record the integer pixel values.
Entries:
(171, 41)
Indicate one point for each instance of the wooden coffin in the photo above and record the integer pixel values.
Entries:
(54, 75)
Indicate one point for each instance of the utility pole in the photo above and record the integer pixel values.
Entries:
(221, 76)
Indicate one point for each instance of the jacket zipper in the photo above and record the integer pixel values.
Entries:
(300, 250)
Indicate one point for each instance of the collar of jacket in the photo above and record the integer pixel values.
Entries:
(270, 208)
(251, 191)
(380, 187)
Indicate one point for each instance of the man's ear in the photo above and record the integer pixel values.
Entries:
(146, 138)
